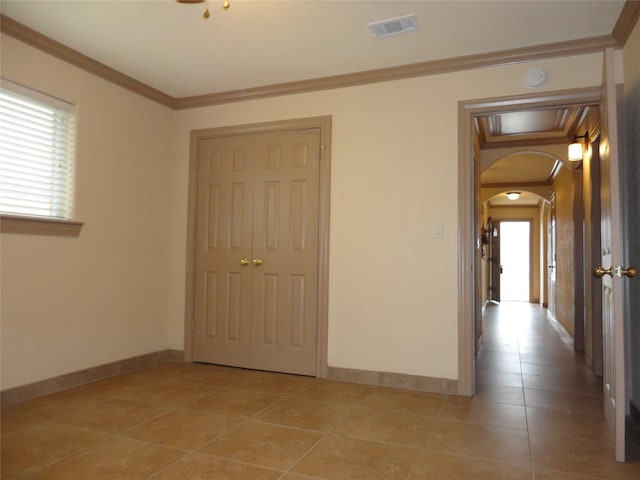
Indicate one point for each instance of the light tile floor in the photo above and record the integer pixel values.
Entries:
(537, 416)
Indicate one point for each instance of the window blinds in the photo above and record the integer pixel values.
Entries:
(37, 146)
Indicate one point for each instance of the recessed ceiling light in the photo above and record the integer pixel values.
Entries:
(393, 26)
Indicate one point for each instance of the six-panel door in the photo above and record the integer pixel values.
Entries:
(257, 251)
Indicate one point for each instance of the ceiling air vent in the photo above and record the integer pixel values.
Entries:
(393, 26)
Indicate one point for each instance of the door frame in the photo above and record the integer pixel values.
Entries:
(323, 123)
(469, 219)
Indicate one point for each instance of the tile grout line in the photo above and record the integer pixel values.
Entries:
(526, 413)
(58, 460)
(323, 436)
(288, 470)
(522, 341)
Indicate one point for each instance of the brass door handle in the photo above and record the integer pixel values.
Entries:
(616, 272)
(629, 272)
(257, 262)
(244, 262)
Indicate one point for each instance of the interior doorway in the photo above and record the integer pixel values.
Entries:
(470, 147)
(469, 192)
(515, 258)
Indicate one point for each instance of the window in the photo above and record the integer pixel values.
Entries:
(37, 147)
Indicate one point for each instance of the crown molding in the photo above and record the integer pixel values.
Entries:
(626, 21)
(469, 62)
(35, 39)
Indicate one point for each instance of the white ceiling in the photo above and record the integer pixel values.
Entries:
(170, 47)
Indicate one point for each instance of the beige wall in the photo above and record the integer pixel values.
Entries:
(563, 308)
(591, 258)
(74, 303)
(118, 290)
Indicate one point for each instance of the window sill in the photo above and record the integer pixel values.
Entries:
(39, 226)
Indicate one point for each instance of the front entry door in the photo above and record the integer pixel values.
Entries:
(256, 261)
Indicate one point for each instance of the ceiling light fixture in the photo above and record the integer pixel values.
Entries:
(575, 149)
(513, 195)
(206, 14)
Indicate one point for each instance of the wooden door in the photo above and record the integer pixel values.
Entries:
(494, 260)
(256, 287)
(611, 244)
(285, 241)
(222, 298)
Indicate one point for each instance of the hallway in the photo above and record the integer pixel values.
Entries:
(527, 363)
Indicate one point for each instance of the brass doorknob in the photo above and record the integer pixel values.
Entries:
(629, 272)
(257, 262)
(617, 272)
(244, 262)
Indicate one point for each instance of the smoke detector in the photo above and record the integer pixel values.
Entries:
(393, 26)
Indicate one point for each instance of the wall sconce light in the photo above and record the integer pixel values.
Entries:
(575, 149)
(513, 195)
